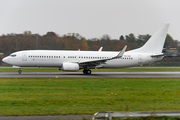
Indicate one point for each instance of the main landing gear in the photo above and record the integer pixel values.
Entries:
(87, 72)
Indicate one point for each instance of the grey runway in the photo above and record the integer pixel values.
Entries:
(93, 75)
(68, 117)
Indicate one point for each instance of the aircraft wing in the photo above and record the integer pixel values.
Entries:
(102, 61)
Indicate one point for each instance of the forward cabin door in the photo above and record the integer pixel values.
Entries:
(24, 56)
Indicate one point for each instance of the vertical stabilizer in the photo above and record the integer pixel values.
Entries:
(156, 42)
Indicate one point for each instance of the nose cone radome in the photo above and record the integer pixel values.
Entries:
(6, 60)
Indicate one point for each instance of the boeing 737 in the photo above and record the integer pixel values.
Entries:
(65, 60)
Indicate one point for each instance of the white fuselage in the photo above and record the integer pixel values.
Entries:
(55, 58)
(65, 60)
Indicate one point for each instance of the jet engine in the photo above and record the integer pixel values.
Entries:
(70, 67)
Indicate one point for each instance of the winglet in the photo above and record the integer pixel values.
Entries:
(121, 53)
(100, 49)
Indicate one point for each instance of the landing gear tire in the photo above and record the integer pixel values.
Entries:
(84, 71)
(87, 72)
(19, 71)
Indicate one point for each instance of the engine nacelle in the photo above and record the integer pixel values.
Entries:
(70, 67)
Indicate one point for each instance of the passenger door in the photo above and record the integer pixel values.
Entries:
(24, 56)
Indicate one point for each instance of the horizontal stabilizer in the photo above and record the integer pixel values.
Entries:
(157, 55)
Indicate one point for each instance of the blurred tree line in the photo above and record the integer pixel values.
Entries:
(72, 41)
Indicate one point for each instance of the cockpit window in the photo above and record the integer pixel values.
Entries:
(13, 55)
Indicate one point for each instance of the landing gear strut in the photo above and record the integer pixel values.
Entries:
(19, 71)
(87, 72)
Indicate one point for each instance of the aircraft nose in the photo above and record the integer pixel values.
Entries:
(5, 60)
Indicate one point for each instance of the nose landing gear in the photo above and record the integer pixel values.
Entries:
(19, 71)
(87, 72)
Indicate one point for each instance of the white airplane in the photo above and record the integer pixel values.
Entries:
(65, 60)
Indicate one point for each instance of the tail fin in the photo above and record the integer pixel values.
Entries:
(156, 42)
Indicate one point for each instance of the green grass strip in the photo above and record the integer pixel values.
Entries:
(25, 97)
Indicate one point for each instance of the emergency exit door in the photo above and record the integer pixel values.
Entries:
(140, 59)
(24, 56)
